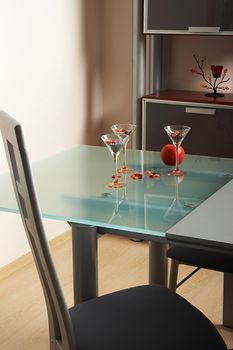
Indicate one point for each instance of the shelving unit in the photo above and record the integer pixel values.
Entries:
(211, 119)
(188, 17)
(192, 97)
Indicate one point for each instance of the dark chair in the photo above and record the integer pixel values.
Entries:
(200, 258)
(143, 317)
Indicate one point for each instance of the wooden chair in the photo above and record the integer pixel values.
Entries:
(143, 317)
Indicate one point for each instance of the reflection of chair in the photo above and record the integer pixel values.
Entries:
(144, 317)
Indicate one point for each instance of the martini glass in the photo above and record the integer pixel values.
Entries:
(177, 134)
(115, 145)
(124, 131)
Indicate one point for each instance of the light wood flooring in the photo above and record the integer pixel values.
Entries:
(122, 263)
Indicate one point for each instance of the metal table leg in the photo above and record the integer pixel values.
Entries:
(158, 263)
(85, 267)
(228, 300)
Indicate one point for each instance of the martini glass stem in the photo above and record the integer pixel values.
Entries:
(177, 156)
(115, 158)
(124, 153)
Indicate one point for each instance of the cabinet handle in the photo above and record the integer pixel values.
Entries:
(193, 110)
(204, 29)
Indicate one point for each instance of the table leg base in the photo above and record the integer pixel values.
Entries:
(158, 263)
(85, 267)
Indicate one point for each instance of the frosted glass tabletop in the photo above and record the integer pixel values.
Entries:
(71, 186)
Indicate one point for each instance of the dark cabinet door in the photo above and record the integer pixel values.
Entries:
(211, 131)
(175, 15)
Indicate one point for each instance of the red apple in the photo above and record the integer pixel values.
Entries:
(168, 154)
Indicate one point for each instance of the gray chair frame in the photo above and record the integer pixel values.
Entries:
(60, 326)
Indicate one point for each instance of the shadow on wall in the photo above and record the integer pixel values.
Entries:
(91, 43)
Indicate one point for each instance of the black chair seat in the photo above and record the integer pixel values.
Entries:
(145, 317)
(202, 258)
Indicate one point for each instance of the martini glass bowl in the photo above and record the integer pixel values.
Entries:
(114, 144)
(177, 134)
(124, 131)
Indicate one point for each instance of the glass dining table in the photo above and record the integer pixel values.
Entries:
(71, 187)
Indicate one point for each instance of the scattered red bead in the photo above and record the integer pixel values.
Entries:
(152, 175)
(136, 176)
(116, 176)
(149, 173)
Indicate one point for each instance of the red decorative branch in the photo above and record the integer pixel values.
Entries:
(216, 78)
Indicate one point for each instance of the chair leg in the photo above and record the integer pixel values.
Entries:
(173, 274)
(228, 300)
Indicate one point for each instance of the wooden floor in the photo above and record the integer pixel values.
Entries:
(123, 263)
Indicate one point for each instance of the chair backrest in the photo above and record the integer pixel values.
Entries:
(60, 326)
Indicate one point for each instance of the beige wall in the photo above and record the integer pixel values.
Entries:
(91, 19)
(65, 69)
(117, 62)
(43, 79)
(107, 46)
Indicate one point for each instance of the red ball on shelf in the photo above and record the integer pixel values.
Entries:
(168, 154)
